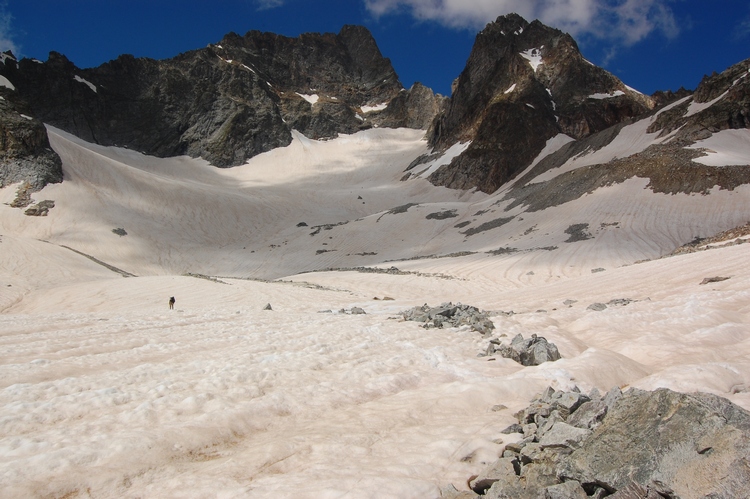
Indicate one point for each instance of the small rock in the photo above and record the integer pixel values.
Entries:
(451, 492)
(564, 435)
(40, 209)
(357, 311)
(569, 402)
(267, 307)
(597, 307)
(619, 302)
(503, 467)
(531, 452)
(514, 428)
(571, 489)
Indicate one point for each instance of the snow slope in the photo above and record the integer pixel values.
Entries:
(105, 392)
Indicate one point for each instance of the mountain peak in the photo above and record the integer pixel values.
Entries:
(523, 84)
(229, 101)
(510, 23)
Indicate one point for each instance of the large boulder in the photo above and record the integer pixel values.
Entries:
(639, 444)
(696, 444)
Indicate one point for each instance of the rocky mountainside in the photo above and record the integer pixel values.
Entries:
(523, 84)
(229, 101)
(25, 153)
(527, 98)
(685, 147)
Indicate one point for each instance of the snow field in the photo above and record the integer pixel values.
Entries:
(105, 391)
(258, 393)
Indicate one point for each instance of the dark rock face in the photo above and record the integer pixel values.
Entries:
(25, 153)
(523, 84)
(415, 108)
(227, 102)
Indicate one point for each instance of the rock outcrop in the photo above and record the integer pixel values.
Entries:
(227, 102)
(659, 444)
(25, 152)
(523, 84)
(450, 315)
(528, 352)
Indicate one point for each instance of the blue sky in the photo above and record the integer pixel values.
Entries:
(650, 44)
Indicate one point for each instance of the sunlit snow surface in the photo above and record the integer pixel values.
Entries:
(5, 82)
(616, 93)
(105, 391)
(725, 148)
(378, 107)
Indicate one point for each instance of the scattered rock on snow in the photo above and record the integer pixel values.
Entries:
(450, 315)
(528, 352)
(41, 209)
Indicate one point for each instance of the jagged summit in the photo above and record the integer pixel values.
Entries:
(226, 102)
(523, 84)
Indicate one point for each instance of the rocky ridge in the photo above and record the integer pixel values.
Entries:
(523, 84)
(229, 101)
(721, 102)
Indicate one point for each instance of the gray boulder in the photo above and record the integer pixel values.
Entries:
(563, 435)
(695, 444)
(637, 445)
(502, 469)
(528, 352)
(567, 490)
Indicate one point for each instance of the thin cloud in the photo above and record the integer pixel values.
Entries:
(743, 29)
(6, 31)
(268, 4)
(623, 21)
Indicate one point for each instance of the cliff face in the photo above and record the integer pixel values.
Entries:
(523, 84)
(227, 102)
(25, 153)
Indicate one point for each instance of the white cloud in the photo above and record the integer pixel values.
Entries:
(6, 32)
(268, 4)
(624, 21)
